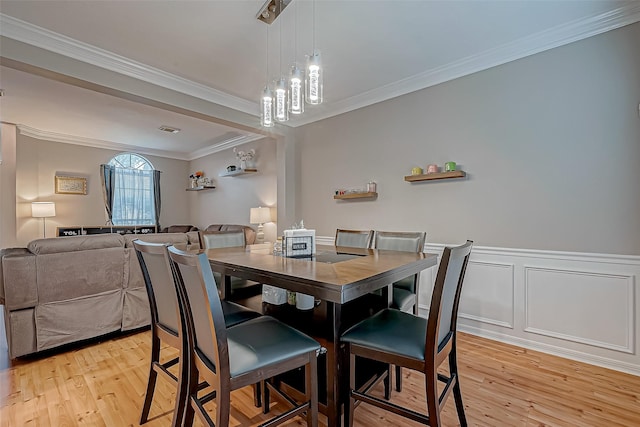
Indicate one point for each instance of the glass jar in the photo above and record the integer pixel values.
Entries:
(291, 298)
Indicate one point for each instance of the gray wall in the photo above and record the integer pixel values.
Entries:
(37, 163)
(551, 145)
(230, 202)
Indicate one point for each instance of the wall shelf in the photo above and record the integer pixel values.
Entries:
(435, 175)
(355, 196)
(201, 187)
(239, 172)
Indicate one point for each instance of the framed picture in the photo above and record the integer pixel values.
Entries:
(71, 185)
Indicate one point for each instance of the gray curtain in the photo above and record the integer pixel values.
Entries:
(156, 196)
(108, 177)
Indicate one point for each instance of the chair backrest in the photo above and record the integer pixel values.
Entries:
(203, 308)
(400, 241)
(353, 238)
(221, 239)
(159, 279)
(443, 313)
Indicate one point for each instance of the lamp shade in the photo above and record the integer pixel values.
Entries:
(260, 215)
(43, 209)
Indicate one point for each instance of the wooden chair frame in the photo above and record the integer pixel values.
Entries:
(422, 237)
(216, 373)
(203, 233)
(367, 233)
(163, 333)
(435, 354)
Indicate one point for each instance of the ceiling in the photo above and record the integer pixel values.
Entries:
(216, 50)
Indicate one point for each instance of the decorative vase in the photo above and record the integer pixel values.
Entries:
(243, 164)
(194, 183)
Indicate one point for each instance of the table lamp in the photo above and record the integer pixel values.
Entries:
(43, 210)
(260, 216)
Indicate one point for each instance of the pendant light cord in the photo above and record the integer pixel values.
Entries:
(295, 36)
(280, 29)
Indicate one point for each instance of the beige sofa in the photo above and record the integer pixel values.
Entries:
(66, 289)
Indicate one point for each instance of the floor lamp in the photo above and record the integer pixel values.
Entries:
(260, 216)
(43, 210)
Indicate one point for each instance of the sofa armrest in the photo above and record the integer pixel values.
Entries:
(18, 287)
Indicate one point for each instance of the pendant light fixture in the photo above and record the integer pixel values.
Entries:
(314, 83)
(296, 78)
(289, 94)
(296, 93)
(281, 99)
(266, 101)
(314, 73)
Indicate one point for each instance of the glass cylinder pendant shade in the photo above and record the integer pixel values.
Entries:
(313, 82)
(282, 101)
(296, 92)
(266, 108)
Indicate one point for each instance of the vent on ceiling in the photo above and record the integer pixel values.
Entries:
(169, 129)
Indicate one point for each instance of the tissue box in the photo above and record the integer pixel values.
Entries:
(299, 243)
(274, 295)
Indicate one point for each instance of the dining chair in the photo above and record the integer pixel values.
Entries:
(168, 323)
(405, 291)
(221, 239)
(353, 238)
(404, 339)
(230, 358)
(229, 239)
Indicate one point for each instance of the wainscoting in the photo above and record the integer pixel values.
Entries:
(580, 306)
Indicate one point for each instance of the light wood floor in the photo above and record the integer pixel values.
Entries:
(102, 384)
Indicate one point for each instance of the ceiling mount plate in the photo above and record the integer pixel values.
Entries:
(271, 10)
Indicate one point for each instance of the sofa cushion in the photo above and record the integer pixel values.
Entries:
(194, 239)
(179, 229)
(75, 243)
(64, 322)
(173, 238)
(68, 275)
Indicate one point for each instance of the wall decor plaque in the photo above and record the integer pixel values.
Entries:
(71, 185)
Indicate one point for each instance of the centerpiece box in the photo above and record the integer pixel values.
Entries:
(299, 243)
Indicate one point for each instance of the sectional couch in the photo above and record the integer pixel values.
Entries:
(66, 289)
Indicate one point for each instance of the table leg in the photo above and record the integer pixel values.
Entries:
(335, 368)
(225, 289)
(387, 295)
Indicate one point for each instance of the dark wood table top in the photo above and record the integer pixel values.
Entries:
(335, 274)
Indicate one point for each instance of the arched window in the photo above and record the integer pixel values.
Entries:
(133, 190)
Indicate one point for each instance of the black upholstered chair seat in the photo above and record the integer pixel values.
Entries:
(263, 342)
(235, 313)
(391, 331)
(403, 299)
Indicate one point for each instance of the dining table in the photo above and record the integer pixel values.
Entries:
(340, 279)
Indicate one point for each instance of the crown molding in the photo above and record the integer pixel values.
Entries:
(109, 145)
(225, 145)
(554, 37)
(40, 37)
(97, 143)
